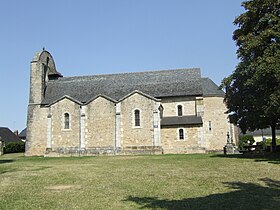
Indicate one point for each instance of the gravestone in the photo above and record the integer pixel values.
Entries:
(229, 149)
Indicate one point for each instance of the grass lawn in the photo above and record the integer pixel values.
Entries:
(201, 181)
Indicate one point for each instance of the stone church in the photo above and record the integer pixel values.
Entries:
(152, 112)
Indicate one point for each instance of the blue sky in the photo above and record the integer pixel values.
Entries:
(89, 37)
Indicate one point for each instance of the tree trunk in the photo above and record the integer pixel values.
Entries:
(273, 143)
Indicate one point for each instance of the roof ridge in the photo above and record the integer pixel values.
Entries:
(136, 72)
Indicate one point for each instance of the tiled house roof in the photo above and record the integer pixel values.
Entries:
(157, 84)
(7, 135)
(22, 134)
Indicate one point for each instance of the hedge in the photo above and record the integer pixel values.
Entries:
(14, 147)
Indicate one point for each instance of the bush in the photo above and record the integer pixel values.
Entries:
(245, 141)
(14, 147)
(268, 142)
(261, 143)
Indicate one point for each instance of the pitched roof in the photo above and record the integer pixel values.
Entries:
(7, 135)
(22, 134)
(181, 120)
(260, 132)
(157, 84)
(210, 88)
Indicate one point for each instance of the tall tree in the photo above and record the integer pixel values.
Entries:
(253, 89)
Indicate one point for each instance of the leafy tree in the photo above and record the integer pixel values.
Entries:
(253, 89)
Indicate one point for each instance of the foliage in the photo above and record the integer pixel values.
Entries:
(267, 144)
(253, 89)
(261, 143)
(14, 147)
(245, 140)
(269, 141)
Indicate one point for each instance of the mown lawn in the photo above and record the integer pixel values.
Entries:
(139, 182)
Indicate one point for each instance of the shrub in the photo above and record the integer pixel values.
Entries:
(269, 140)
(14, 147)
(245, 140)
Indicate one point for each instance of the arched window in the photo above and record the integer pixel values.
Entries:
(66, 121)
(180, 110)
(181, 134)
(137, 117)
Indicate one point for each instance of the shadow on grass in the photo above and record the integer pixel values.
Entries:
(273, 158)
(41, 168)
(6, 161)
(32, 169)
(8, 171)
(242, 196)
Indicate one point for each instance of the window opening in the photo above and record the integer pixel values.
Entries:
(181, 134)
(137, 117)
(180, 110)
(66, 121)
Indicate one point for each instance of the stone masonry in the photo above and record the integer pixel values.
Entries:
(157, 112)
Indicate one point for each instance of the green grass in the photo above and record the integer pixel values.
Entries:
(139, 182)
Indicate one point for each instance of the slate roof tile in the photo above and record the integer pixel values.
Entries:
(181, 120)
(8, 136)
(210, 88)
(157, 84)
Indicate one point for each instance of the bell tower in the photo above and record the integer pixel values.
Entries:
(42, 69)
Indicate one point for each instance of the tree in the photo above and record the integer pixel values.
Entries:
(253, 89)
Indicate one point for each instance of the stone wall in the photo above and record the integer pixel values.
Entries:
(61, 137)
(215, 123)
(100, 123)
(132, 135)
(170, 105)
(100, 127)
(172, 144)
(36, 133)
